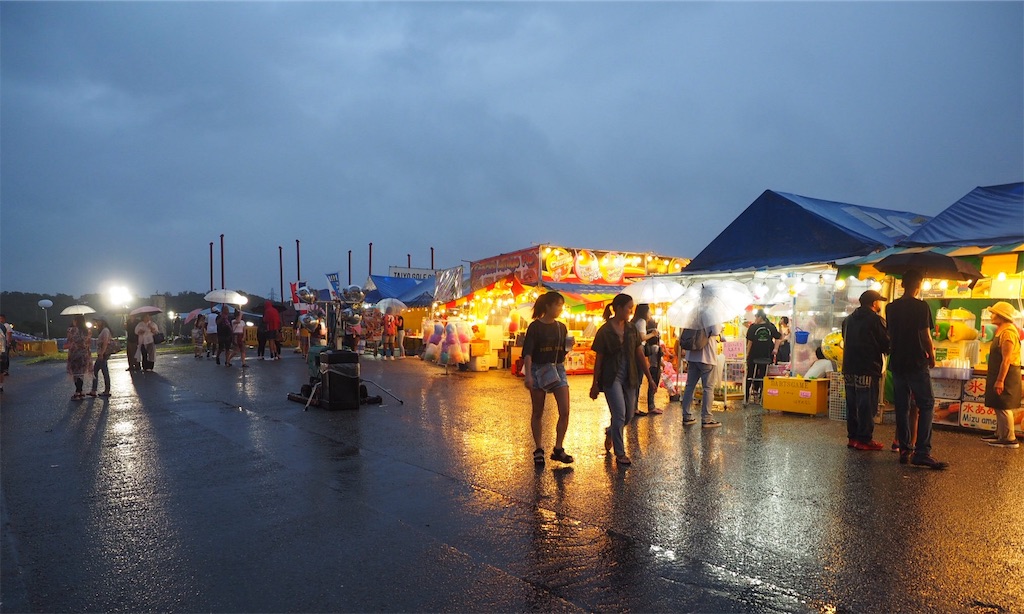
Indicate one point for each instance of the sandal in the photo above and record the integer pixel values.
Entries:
(538, 456)
(656, 412)
(623, 460)
(559, 455)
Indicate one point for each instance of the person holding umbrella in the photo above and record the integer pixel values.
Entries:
(911, 354)
(79, 349)
(145, 331)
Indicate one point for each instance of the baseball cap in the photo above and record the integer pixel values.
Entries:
(870, 296)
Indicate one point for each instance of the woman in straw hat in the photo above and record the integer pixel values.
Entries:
(1002, 384)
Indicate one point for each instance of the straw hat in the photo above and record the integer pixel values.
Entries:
(1004, 310)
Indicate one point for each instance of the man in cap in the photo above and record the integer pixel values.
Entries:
(911, 354)
(865, 339)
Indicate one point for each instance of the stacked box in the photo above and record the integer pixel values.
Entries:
(836, 396)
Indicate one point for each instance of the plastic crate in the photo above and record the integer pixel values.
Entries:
(836, 396)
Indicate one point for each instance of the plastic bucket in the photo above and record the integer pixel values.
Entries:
(802, 336)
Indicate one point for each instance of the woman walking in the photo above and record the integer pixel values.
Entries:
(79, 349)
(1002, 383)
(145, 330)
(544, 370)
(198, 336)
(104, 348)
(620, 363)
(237, 345)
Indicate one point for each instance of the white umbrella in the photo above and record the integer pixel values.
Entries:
(710, 303)
(226, 296)
(654, 291)
(144, 309)
(76, 310)
(390, 305)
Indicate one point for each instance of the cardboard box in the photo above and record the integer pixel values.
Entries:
(796, 394)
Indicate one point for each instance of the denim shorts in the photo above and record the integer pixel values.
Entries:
(562, 382)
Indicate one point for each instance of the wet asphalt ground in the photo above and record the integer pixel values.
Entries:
(199, 488)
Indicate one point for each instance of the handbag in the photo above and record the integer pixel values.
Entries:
(158, 338)
(547, 377)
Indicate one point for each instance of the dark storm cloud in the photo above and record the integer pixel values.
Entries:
(134, 134)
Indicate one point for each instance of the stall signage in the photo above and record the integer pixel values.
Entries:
(946, 388)
(977, 416)
(947, 411)
(586, 266)
(525, 264)
(974, 389)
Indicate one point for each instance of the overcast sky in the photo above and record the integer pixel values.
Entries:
(135, 133)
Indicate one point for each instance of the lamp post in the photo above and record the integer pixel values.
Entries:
(46, 304)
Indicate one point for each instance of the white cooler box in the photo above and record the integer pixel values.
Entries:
(479, 363)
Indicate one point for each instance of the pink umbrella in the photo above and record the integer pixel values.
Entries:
(145, 309)
(192, 314)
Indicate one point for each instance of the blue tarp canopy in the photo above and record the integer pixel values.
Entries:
(420, 295)
(992, 215)
(388, 287)
(780, 229)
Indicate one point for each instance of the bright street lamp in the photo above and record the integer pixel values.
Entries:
(46, 304)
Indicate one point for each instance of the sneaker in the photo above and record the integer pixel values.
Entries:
(1012, 443)
(851, 443)
(870, 446)
(895, 446)
(710, 424)
(688, 421)
(928, 461)
(904, 457)
(988, 438)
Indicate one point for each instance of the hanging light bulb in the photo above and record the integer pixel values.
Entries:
(876, 286)
(943, 284)
(1001, 276)
(926, 285)
(840, 284)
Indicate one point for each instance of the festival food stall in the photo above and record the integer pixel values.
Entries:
(985, 228)
(503, 288)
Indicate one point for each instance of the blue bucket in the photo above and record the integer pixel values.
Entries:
(802, 336)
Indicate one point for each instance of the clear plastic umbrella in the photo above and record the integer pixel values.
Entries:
(144, 309)
(229, 297)
(390, 305)
(654, 291)
(709, 303)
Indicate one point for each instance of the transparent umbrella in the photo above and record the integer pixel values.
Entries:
(654, 291)
(390, 305)
(709, 303)
(226, 296)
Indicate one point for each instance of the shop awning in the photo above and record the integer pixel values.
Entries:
(780, 229)
(382, 286)
(992, 215)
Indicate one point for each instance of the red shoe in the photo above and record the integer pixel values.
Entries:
(871, 446)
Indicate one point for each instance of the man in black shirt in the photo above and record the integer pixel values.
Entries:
(910, 323)
(762, 339)
(865, 339)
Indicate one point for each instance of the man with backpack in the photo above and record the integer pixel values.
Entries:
(701, 354)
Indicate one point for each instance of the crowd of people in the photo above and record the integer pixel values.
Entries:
(624, 359)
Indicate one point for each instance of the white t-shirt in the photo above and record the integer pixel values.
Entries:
(211, 323)
(820, 368)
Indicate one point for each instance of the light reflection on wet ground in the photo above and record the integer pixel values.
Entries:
(203, 488)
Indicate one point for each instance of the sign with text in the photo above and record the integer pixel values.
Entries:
(976, 416)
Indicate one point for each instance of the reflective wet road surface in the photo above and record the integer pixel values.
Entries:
(202, 488)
